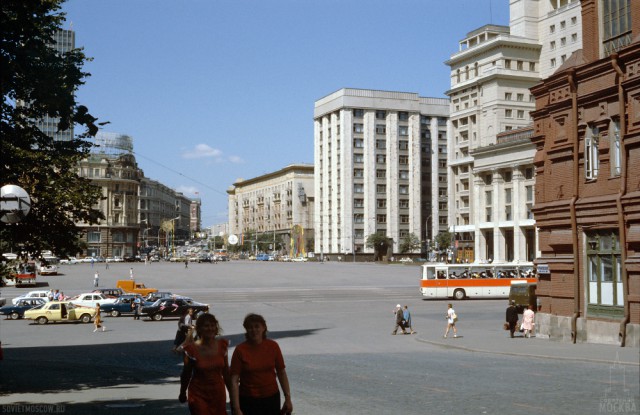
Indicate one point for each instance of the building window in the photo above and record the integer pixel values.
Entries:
(358, 218)
(603, 272)
(358, 188)
(381, 144)
(358, 173)
(574, 20)
(404, 174)
(563, 58)
(520, 97)
(520, 114)
(404, 219)
(381, 129)
(552, 28)
(404, 189)
(358, 203)
(552, 45)
(358, 113)
(507, 96)
(381, 218)
(507, 213)
(563, 24)
(508, 113)
(403, 145)
(574, 38)
(358, 143)
(528, 173)
(358, 158)
(553, 62)
(381, 158)
(488, 214)
(381, 115)
(614, 148)
(403, 116)
(381, 188)
(381, 174)
(507, 63)
(488, 179)
(507, 176)
(403, 130)
(532, 66)
(403, 160)
(381, 203)
(591, 161)
(403, 204)
(519, 65)
(563, 41)
(358, 128)
(93, 237)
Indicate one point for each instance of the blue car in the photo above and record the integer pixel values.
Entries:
(262, 257)
(123, 305)
(16, 311)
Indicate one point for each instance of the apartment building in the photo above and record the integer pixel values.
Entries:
(380, 167)
(490, 159)
(587, 209)
(280, 204)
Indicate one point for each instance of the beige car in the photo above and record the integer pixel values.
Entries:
(60, 311)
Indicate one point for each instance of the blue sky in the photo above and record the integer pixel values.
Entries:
(216, 90)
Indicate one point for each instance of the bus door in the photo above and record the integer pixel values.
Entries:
(441, 282)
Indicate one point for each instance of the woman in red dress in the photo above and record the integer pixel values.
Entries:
(206, 369)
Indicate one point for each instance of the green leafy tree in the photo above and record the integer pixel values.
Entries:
(443, 239)
(410, 243)
(380, 244)
(38, 81)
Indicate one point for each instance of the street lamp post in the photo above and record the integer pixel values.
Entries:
(173, 235)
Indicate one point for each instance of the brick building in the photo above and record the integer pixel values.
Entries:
(587, 190)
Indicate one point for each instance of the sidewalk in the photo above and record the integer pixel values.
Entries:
(500, 343)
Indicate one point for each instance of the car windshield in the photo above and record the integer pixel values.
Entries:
(38, 306)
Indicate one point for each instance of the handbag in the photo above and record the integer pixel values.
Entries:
(454, 317)
(505, 326)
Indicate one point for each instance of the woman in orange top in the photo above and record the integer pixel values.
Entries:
(256, 367)
(206, 369)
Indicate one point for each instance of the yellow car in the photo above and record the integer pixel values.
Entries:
(60, 311)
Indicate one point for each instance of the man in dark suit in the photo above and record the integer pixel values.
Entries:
(512, 317)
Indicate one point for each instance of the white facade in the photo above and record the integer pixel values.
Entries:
(274, 203)
(380, 167)
(490, 79)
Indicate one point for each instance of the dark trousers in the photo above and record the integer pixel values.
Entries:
(260, 406)
(512, 327)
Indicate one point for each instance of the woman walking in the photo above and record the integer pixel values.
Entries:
(205, 375)
(528, 321)
(257, 366)
(97, 320)
(451, 321)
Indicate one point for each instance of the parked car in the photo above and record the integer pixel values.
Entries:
(59, 311)
(48, 269)
(173, 307)
(262, 257)
(110, 292)
(70, 261)
(122, 305)
(299, 259)
(91, 299)
(162, 295)
(132, 287)
(16, 311)
(32, 294)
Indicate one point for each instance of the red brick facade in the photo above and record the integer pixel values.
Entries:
(587, 135)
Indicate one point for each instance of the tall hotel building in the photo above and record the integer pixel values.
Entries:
(491, 171)
(380, 167)
(63, 41)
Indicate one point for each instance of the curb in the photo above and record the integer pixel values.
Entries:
(539, 356)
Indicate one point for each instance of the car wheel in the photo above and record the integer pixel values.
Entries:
(459, 294)
(14, 315)
(157, 317)
(42, 320)
(85, 318)
(115, 313)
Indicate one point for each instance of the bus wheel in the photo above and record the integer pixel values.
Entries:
(459, 294)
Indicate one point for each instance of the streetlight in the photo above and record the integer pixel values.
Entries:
(173, 234)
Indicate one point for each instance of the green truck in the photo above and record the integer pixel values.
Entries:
(523, 294)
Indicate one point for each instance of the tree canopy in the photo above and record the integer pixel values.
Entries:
(410, 243)
(37, 81)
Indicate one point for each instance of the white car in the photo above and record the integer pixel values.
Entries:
(48, 269)
(32, 294)
(91, 299)
(70, 261)
(299, 259)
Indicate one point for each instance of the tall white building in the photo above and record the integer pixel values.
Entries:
(380, 167)
(490, 159)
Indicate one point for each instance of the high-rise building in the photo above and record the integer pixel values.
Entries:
(64, 41)
(587, 207)
(380, 167)
(490, 155)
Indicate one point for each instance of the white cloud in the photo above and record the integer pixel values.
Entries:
(236, 159)
(202, 151)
